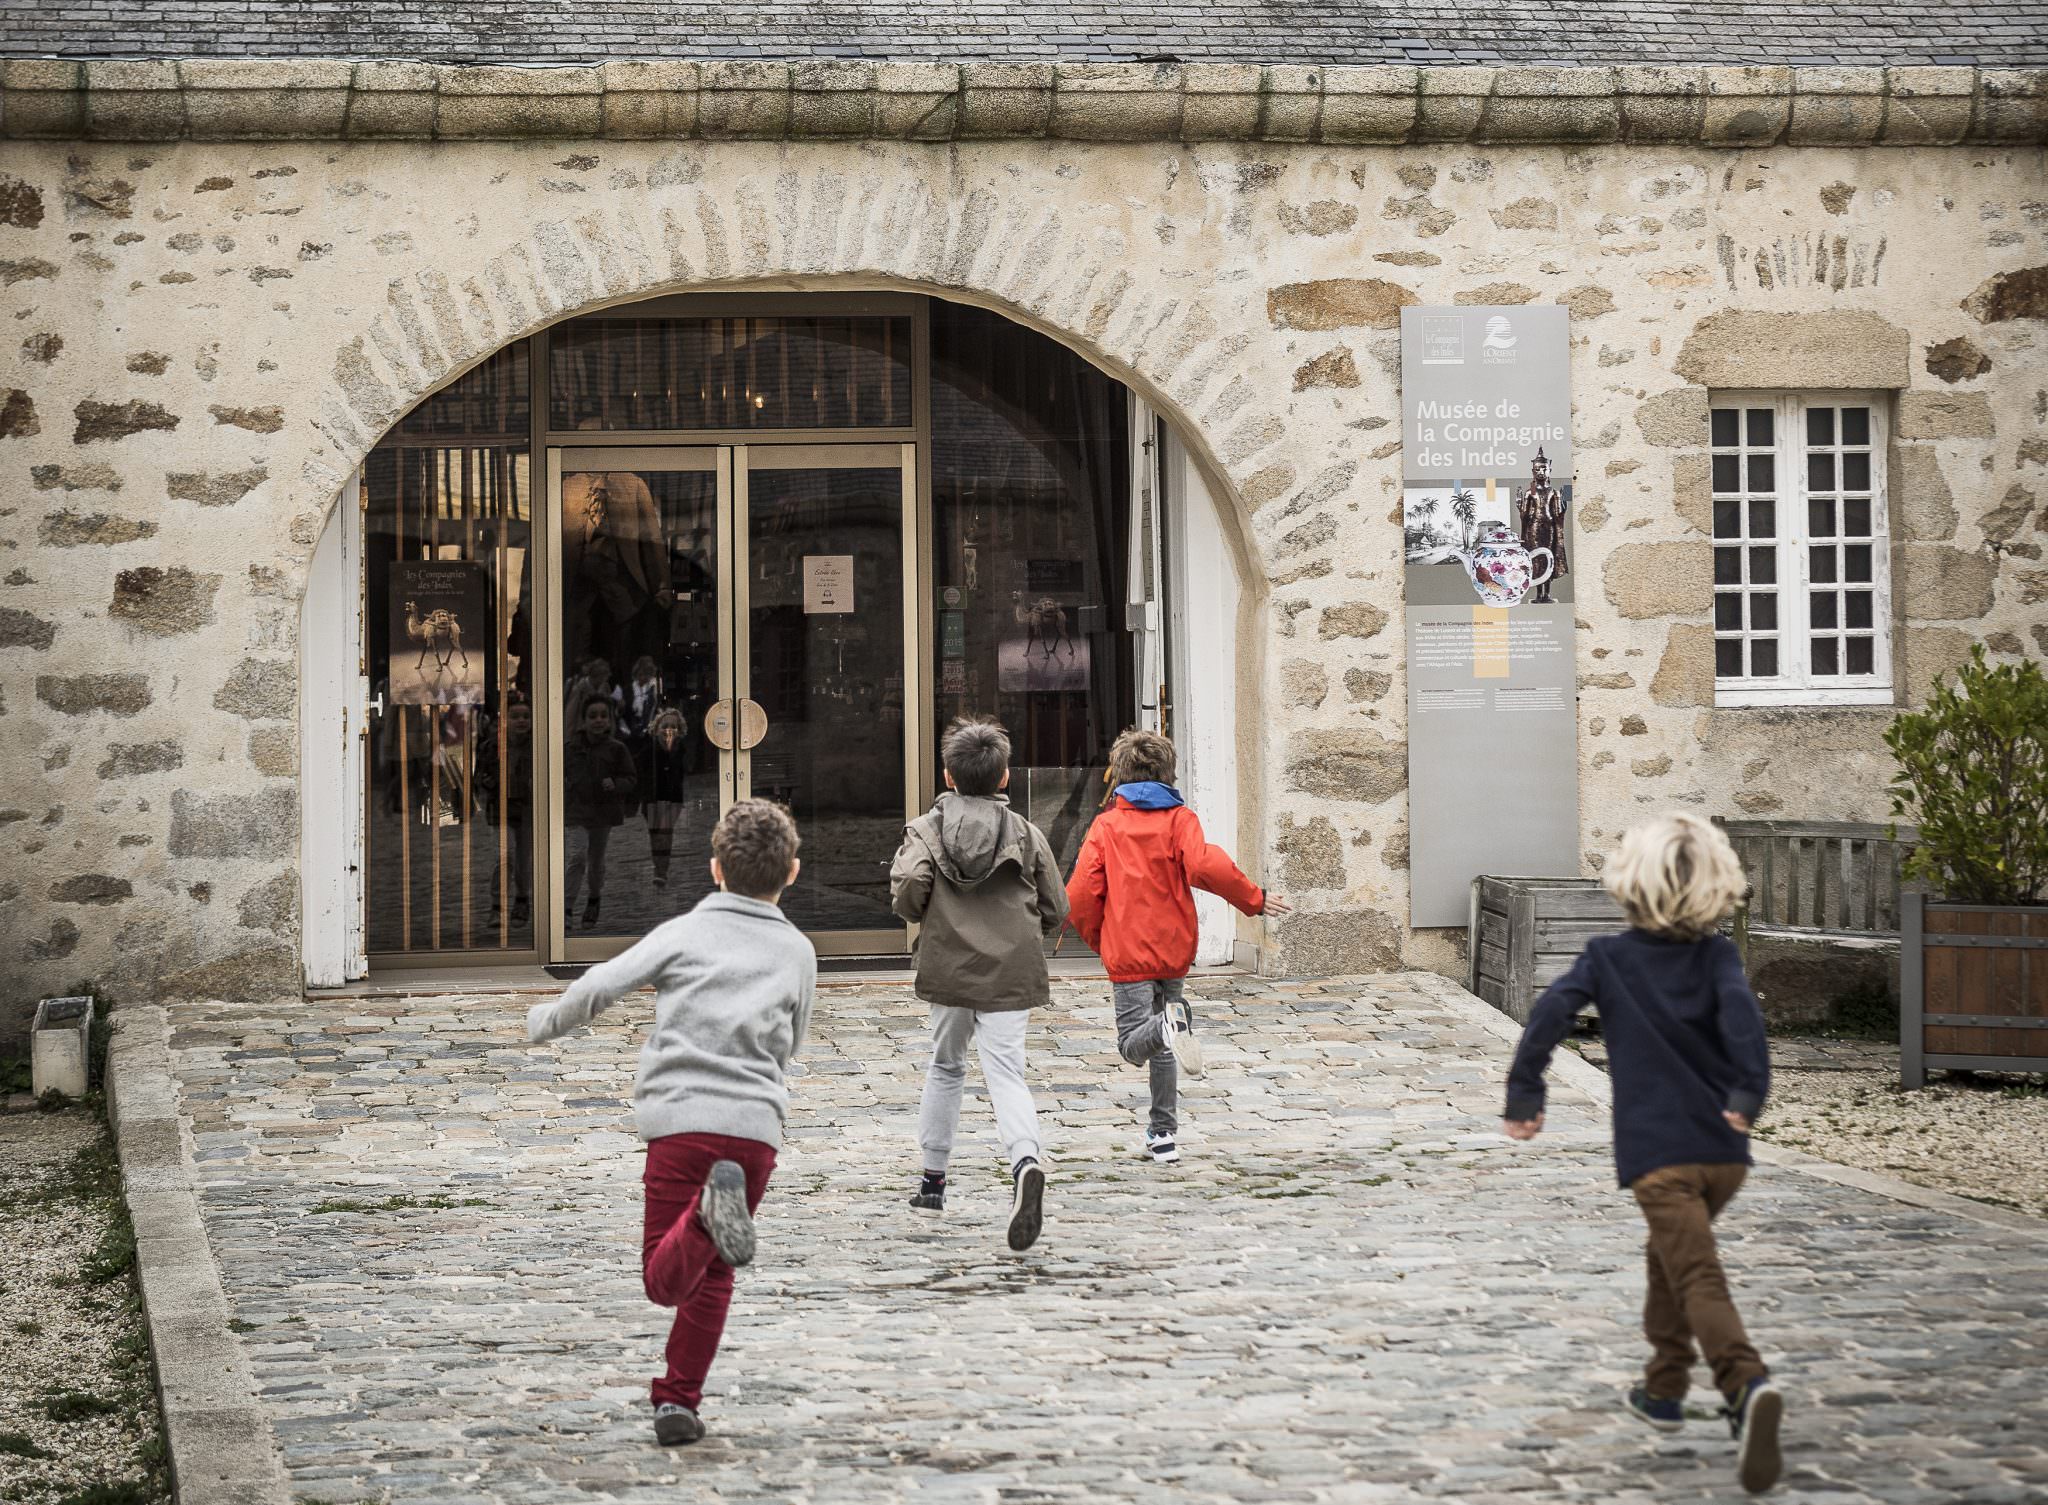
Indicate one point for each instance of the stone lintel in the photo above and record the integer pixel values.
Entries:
(267, 99)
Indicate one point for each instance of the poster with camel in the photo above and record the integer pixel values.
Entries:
(441, 631)
(1044, 649)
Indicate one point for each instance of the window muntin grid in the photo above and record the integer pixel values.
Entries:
(1801, 557)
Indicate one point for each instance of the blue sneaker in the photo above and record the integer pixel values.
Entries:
(1753, 1415)
(1664, 1415)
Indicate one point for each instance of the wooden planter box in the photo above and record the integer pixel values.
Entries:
(1525, 933)
(1974, 988)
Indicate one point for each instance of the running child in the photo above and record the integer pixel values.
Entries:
(1686, 1049)
(1132, 899)
(982, 882)
(733, 982)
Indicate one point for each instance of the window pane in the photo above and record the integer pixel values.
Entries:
(1763, 611)
(1820, 518)
(1763, 519)
(1856, 562)
(1858, 607)
(1821, 565)
(1760, 426)
(1727, 427)
(1727, 472)
(1820, 609)
(1727, 518)
(1728, 611)
(1862, 656)
(1856, 472)
(1727, 566)
(1763, 657)
(1820, 472)
(1763, 473)
(1856, 517)
(1820, 426)
(1728, 658)
(1855, 425)
(1824, 656)
(1763, 566)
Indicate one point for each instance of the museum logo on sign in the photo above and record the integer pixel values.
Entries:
(1443, 340)
(1497, 347)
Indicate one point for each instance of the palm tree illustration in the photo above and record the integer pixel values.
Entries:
(1425, 510)
(1465, 508)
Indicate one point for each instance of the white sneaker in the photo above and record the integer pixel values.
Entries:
(1161, 1148)
(1180, 1036)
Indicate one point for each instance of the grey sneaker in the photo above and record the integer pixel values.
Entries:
(1180, 1035)
(1027, 1208)
(1161, 1147)
(675, 1425)
(722, 1209)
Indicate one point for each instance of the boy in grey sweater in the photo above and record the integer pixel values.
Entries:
(981, 881)
(733, 981)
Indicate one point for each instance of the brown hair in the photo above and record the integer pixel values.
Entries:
(755, 842)
(976, 753)
(1138, 756)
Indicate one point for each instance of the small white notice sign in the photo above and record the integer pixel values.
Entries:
(828, 583)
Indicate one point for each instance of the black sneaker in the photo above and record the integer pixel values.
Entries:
(1664, 1415)
(931, 1194)
(1027, 1211)
(722, 1209)
(675, 1425)
(1753, 1416)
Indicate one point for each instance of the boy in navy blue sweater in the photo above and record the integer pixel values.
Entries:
(1691, 1068)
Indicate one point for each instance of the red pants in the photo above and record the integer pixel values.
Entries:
(679, 1265)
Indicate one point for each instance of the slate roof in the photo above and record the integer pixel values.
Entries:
(1986, 33)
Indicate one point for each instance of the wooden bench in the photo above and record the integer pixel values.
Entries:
(1832, 881)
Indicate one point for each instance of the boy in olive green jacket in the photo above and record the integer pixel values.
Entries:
(982, 883)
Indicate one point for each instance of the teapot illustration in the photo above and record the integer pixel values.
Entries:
(1502, 570)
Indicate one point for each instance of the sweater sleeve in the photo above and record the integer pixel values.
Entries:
(601, 987)
(1549, 1022)
(1088, 891)
(807, 998)
(1210, 869)
(1742, 1031)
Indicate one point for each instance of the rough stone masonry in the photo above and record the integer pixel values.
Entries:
(207, 336)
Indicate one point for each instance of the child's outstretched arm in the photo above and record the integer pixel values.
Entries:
(599, 988)
(1549, 1022)
(1742, 1035)
(1210, 869)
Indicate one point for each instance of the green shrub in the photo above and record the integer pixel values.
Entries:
(1973, 775)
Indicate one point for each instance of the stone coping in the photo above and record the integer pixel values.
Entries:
(253, 99)
(223, 1450)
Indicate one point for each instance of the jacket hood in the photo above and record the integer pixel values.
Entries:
(972, 835)
(1148, 794)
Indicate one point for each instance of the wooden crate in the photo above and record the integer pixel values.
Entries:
(1974, 986)
(1526, 932)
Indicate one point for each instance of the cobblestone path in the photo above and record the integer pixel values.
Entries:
(1353, 1289)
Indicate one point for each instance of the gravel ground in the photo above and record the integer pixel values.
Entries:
(1983, 1137)
(78, 1413)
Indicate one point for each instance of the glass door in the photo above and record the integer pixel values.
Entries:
(728, 621)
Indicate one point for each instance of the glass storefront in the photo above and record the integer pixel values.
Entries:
(742, 550)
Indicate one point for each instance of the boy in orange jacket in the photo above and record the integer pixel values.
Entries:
(1132, 899)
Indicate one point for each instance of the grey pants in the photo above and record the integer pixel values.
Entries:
(1141, 1038)
(1000, 1038)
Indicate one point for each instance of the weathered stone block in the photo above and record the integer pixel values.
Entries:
(24, 629)
(264, 824)
(1116, 101)
(1944, 415)
(2004, 296)
(999, 100)
(18, 415)
(260, 688)
(1956, 360)
(1836, 106)
(1837, 348)
(1335, 943)
(2012, 107)
(83, 694)
(91, 888)
(1350, 763)
(1928, 106)
(1645, 580)
(1451, 103)
(1530, 104)
(1925, 506)
(1941, 583)
(99, 421)
(1292, 108)
(1745, 106)
(1353, 619)
(1660, 105)
(1677, 417)
(1338, 303)
(1313, 853)
(1333, 368)
(127, 760)
(163, 602)
(1368, 105)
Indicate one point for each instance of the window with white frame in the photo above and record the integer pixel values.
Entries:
(1802, 558)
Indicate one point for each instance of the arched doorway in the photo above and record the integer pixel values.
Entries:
(683, 551)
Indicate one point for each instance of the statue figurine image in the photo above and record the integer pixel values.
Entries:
(1540, 516)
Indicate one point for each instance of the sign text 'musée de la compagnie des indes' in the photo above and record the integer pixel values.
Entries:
(1486, 532)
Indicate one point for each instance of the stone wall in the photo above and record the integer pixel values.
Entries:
(207, 338)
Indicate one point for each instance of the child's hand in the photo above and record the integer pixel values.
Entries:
(1522, 1128)
(1736, 1121)
(1276, 905)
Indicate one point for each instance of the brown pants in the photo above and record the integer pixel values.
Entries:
(1688, 1296)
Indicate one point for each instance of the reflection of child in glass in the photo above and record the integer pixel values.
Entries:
(661, 786)
(510, 774)
(643, 695)
(598, 787)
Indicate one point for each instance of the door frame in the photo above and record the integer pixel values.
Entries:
(733, 463)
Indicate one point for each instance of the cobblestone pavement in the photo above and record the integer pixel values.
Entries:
(1353, 1289)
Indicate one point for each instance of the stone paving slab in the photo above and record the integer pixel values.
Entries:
(1353, 1289)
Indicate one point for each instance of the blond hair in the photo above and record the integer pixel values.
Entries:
(1676, 875)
